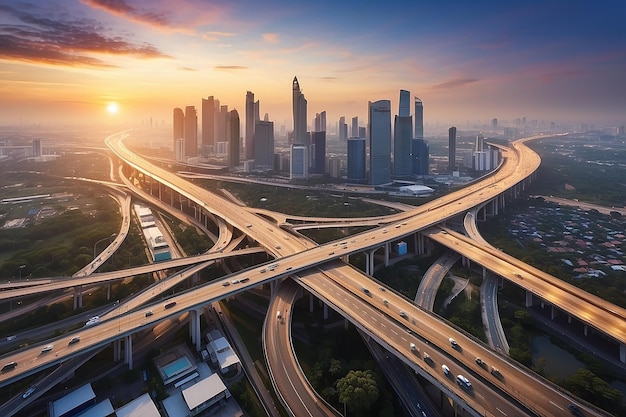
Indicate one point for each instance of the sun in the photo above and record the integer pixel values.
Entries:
(112, 108)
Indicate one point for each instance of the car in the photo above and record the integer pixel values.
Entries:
(445, 369)
(73, 340)
(413, 347)
(575, 410)
(225, 284)
(383, 289)
(93, 320)
(495, 372)
(365, 291)
(245, 279)
(426, 356)
(403, 315)
(453, 343)
(277, 246)
(479, 362)
(10, 338)
(235, 281)
(149, 313)
(170, 305)
(9, 366)
(331, 253)
(464, 382)
(385, 302)
(47, 348)
(289, 268)
(262, 270)
(248, 225)
(28, 392)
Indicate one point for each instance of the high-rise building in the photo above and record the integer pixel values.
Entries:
(208, 124)
(494, 123)
(299, 113)
(480, 143)
(299, 162)
(357, 172)
(233, 139)
(355, 127)
(191, 131)
(420, 154)
(320, 122)
(362, 132)
(251, 117)
(452, 149)
(221, 123)
(37, 149)
(402, 132)
(343, 128)
(318, 151)
(264, 144)
(379, 129)
(179, 126)
(419, 119)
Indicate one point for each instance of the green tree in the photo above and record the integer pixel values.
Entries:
(358, 390)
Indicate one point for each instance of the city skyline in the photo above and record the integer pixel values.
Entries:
(67, 61)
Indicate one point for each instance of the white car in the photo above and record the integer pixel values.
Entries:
(445, 369)
(28, 392)
(47, 348)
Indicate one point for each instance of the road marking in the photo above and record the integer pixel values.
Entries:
(503, 411)
(557, 406)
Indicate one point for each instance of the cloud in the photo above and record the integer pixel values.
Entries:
(455, 83)
(187, 69)
(271, 37)
(124, 9)
(329, 78)
(229, 67)
(215, 36)
(42, 39)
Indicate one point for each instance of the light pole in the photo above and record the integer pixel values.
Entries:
(21, 267)
(102, 240)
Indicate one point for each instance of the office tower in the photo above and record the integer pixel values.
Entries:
(480, 143)
(318, 152)
(494, 123)
(402, 132)
(208, 124)
(355, 127)
(233, 139)
(251, 117)
(420, 154)
(362, 132)
(379, 128)
(264, 144)
(419, 119)
(37, 150)
(343, 128)
(221, 122)
(452, 148)
(179, 126)
(299, 113)
(357, 172)
(299, 162)
(191, 131)
(320, 122)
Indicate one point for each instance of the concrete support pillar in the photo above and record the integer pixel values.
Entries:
(387, 246)
(529, 299)
(117, 350)
(484, 272)
(128, 351)
(622, 353)
(367, 263)
(552, 312)
(80, 296)
(75, 298)
(310, 303)
(194, 327)
(325, 311)
(109, 291)
(569, 319)
(585, 330)
(346, 324)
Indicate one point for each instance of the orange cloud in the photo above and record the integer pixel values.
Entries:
(271, 37)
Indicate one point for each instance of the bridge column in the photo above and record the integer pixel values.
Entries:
(325, 311)
(78, 297)
(109, 291)
(367, 263)
(194, 327)
(495, 206)
(586, 330)
(552, 312)
(484, 272)
(117, 350)
(128, 351)
(529, 299)
(622, 352)
(387, 245)
(310, 303)
(569, 319)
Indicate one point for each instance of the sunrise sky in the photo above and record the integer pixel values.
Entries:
(65, 61)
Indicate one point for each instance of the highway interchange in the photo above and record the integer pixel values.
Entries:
(341, 286)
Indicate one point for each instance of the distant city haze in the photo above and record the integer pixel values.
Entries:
(126, 63)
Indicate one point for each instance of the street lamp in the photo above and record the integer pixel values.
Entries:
(102, 240)
(21, 267)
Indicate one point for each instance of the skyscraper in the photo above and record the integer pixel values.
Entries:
(320, 122)
(402, 130)
(420, 153)
(480, 143)
(355, 127)
(318, 151)
(343, 128)
(208, 125)
(452, 148)
(379, 122)
(179, 126)
(264, 144)
(419, 119)
(299, 162)
(191, 131)
(233, 139)
(221, 123)
(299, 113)
(250, 125)
(357, 172)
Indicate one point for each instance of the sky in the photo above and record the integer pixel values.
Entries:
(65, 61)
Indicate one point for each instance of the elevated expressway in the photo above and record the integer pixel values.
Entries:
(520, 391)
